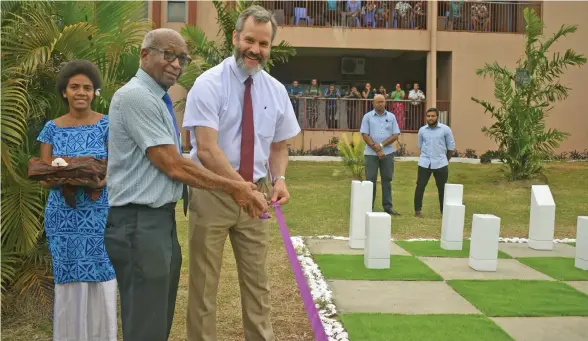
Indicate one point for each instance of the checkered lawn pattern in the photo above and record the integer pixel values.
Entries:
(430, 294)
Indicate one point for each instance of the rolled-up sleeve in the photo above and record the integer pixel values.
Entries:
(202, 104)
(286, 125)
(365, 124)
(143, 120)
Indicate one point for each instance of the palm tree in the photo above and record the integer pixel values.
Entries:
(37, 38)
(525, 96)
(209, 53)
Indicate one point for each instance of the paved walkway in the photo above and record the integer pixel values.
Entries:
(437, 297)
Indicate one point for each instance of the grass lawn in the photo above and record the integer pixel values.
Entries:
(320, 205)
(390, 327)
(523, 298)
(572, 244)
(560, 268)
(433, 249)
(351, 267)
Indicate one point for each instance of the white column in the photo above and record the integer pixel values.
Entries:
(453, 218)
(377, 245)
(582, 243)
(361, 202)
(484, 242)
(542, 220)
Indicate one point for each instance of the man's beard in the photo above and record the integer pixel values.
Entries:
(431, 124)
(240, 59)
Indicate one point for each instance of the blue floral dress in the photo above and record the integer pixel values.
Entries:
(76, 235)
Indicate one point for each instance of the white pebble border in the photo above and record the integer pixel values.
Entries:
(321, 293)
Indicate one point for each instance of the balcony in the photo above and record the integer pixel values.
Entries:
(484, 16)
(345, 114)
(352, 14)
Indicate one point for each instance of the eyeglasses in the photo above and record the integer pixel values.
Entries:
(170, 57)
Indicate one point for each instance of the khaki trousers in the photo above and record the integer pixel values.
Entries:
(213, 216)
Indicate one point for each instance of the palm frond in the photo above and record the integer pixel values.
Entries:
(14, 109)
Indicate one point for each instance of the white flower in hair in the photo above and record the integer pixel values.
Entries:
(97, 92)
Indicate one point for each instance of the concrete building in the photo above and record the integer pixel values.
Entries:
(437, 44)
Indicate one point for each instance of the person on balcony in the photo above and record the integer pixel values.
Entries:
(331, 106)
(480, 17)
(435, 140)
(353, 12)
(312, 110)
(368, 95)
(353, 107)
(397, 106)
(379, 130)
(295, 91)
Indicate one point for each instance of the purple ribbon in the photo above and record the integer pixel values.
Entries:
(311, 312)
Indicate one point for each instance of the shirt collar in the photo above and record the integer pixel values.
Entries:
(384, 114)
(239, 73)
(150, 83)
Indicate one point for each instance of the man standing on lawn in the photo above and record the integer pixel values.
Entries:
(437, 146)
(145, 177)
(241, 118)
(379, 129)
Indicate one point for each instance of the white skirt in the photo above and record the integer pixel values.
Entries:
(85, 311)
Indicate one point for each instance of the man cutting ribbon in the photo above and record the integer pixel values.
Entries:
(241, 118)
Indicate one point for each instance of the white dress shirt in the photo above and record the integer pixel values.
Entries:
(216, 101)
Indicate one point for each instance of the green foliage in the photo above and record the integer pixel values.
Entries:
(210, 52)
(523, 106)
(37, 38)
(352, 154)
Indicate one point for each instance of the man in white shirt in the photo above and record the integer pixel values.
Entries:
(241, 118)
(416, 94)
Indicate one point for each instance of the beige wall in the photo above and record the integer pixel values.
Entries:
(456, 71)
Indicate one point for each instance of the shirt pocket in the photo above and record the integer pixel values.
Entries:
(265, 126)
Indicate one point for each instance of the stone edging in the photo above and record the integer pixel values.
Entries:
(322, 295)
(398, 158)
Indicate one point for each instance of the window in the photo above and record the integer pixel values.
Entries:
(176, 11)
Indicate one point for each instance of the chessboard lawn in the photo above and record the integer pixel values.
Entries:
(562, 269)
(433, 249)
(393, 327)
(522, 297)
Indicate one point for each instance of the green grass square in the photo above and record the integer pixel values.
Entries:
(351, 267)
(522, 298)
(393, 327)
(572, 244)
(560, 268)
(430, 248)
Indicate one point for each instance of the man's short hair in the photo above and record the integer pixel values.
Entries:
(260, 15)
(433, 110)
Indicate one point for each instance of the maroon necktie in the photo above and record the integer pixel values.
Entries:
(247, 135)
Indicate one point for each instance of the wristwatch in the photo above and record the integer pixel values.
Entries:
(381, 145)
(278, 177)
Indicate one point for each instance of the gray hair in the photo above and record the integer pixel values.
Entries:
(160, 36)
(260, 15)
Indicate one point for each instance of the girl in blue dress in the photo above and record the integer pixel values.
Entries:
(85, 303)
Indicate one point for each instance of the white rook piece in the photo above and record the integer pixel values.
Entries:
(542, 221)
(378, 226)
(453, 218)
(484, 242)
(582, 243)
(361, 202)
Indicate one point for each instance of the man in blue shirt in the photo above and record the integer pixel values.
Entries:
(379, 129)
(437, 146)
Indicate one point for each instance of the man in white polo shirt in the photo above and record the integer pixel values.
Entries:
(241, 118)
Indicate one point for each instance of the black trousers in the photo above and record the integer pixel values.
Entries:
(386, 168)
(423, 175)
(143, 246)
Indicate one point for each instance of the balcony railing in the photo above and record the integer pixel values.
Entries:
(320, 113)
(484, 16)
(353, 14)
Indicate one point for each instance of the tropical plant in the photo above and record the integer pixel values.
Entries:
(209, 52)
(352, 154)
(37, 38)
(525, 97)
